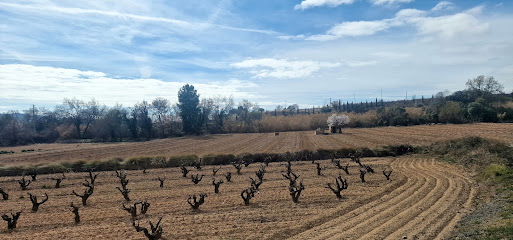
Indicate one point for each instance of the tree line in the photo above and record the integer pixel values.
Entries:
(483, 99)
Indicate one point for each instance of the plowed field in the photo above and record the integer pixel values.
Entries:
(255, 143)
(423, 200)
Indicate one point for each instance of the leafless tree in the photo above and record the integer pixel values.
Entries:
(195, 202)
(12, 220)
(161, 180)
(341, 185)
(57, 182)
(74, 210)
(80, 113)
(247, 194)
(145, 205)
(132, 210)
(35, 203)
(295, 191)
(156, 230)
(289, 166)
(387, 174)
(362, 175)
(217, 184)
(24, 183)
(228, 176)
(197, 164)
(267, 161)
(292, 177)
(215, 170)
(184, 171)
(196, 178)
(255, 184)
(125, 193)
(260, 173)
(238, 166)
(319, 169)
(92, 176)
(5, 196)
(87, 193)
(368, 168)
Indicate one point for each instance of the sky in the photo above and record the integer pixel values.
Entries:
(273, 52)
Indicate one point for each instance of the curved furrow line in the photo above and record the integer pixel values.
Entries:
(390, 209)
(440, 218)
(359, 214)
(409, 219)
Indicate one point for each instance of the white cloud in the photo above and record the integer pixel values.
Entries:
(291, 37)
(441, 27)
(282, 68)
(447, 27)
(442, 6)
(305, 4)
(40, 8)
(49, 85)
(359, 28)
(390, 2)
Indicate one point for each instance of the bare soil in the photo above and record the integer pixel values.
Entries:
(254, 143)
(423, 200)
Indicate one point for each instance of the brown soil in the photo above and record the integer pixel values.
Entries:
(254, 143)
(423, 200)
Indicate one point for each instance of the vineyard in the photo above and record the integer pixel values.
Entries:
(253, 143)
(423, 199)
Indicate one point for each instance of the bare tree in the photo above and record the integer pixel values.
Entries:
(260, 173)
(197, 164)
(341, 185)
(161, 180)
(24, 183)
(145, 205)
(156, 230)
(87, 193)
(35, 203)
(132, 210)
(267, 161)
(319, 169)
(184, 171)
(237, 165)
(5, 196)
(92, 176)
(387, 174)
(228, 176)
(295, 191)
(80, 113)
(215, 170)
(12, 220)
(247, 194)
(362, 175)
(125, 193)
(292, 177)
(255, 184)
(195, 202)
(196, 178)
(33, 176)
(217, 184)
(368, 168)
(57, 182)
(74, 210)
(124, 182)
(289, 166)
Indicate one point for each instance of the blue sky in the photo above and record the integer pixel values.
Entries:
(268, 51)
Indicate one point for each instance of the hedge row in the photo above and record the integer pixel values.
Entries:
(139, 163)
